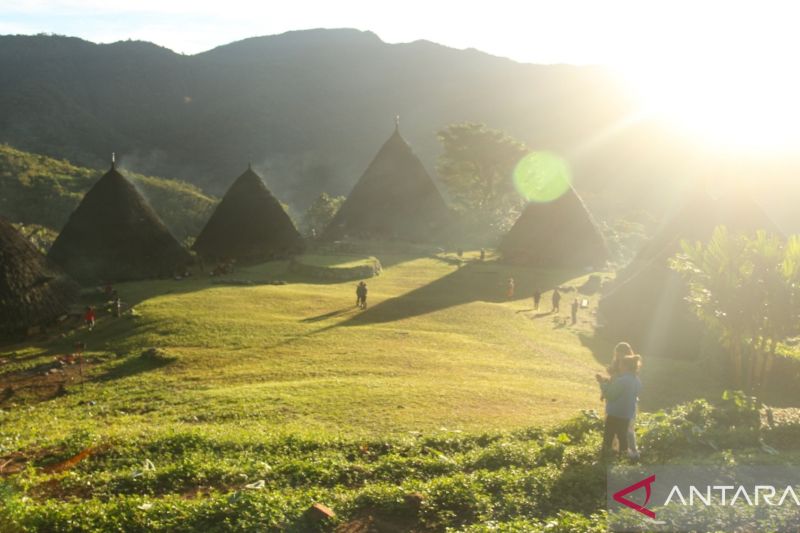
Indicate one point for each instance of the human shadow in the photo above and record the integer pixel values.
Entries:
(476, 281)
(326, 316)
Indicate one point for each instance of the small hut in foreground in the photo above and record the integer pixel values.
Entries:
(395, 199)
(33, 292)
(249, 225)
(114, 235)
(557, 234)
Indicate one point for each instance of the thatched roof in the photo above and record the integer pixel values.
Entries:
(555, 234)
(249, 225)
(394, 199)
(696, 220)
(114, 235)
(646, 305)
(33, 292)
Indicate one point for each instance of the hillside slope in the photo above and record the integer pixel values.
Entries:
(36, 189)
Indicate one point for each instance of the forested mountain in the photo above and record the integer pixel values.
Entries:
(310, 108)
(39, 190)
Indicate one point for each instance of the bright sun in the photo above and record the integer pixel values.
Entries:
(727, 107)
(733, 87)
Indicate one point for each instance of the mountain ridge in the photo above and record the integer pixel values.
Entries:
(309, 109)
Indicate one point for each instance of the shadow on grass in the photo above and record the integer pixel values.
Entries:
(326, 316)
(475, 281)
(132, 366)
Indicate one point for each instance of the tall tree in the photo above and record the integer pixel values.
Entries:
(746, 289)
(320, 213)
(477, 167)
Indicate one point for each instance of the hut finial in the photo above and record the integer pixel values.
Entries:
(397, 122)
(113, 160)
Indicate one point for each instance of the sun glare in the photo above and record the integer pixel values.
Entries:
(733, 87)
(734, 109)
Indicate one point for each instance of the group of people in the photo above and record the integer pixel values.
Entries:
(537, 299)
(113, 305)
(620, 391)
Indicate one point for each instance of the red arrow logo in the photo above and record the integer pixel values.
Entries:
(619, 497)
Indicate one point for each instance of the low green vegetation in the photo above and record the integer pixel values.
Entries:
(38, 190)
(527, 480)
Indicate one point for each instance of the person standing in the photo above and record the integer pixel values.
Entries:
(537, 297)
(621, 394)
(89, 317)
(574, 311)
(510, 288)
(361, 295)
(621, 351)
(556, 300)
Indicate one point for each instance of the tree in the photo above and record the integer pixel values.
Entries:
(476, 167)
(320, 213)
(745, 289)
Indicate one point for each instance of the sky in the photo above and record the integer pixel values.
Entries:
(724, 70)
(611, 32)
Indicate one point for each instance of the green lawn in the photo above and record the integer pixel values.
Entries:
(335, 261)
(439, 347)
(442, 386)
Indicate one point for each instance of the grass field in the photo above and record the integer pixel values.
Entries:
(441, 350)
(439, 346)
(335, 261)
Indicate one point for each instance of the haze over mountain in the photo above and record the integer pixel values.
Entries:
(310, 109)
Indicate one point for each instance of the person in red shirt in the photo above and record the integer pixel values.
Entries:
(89, 317)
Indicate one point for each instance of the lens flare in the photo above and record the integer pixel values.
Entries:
(542, 177)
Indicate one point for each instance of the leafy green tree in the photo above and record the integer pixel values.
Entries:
(476, 167)
(320, 213)
(745, 288)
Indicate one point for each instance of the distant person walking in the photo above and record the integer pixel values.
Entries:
(621, 394)
(510, 288)
(574, 311)
(361, 295)
(537, 297)
(89, 317)
(556, 300)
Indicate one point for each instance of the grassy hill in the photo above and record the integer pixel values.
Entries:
(442, 386)
(35, 189)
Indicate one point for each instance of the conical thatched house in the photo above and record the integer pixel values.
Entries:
(114, 235)
(646, 305)
(394, 199)
(33, 292)
(249, 225)
(557, 234)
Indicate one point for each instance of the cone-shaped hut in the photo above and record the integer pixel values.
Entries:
(33, 292)
(557, 234)
(114, 235)
(646, 304)
(394, 199)
(248, 225)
